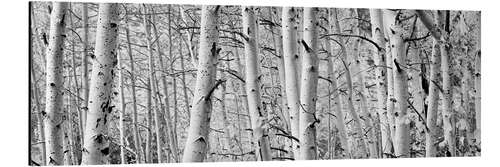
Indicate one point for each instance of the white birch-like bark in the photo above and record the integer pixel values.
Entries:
(376, 20)
(402, 122)
(447, 95)
(477, 95)
(289, 30)
(122, 110)
(432, 110)
(96, 149)
(309, 85)
(197, 141)
(54, 87)
(85, 73)
(257, 116)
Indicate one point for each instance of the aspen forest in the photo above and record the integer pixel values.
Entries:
(130, 83)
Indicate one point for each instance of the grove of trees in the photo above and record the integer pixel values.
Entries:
(127, 83)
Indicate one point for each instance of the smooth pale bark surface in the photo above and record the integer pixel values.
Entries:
(85, 73)
(402, 122)
(290, 55)
(122, 110)
(477, 95)
(54, 85)
(257, 113)
(376, 20)
(309, 84)
(96, 148)
(358, 130)
(432, 110)
(447, 95)
(197, 141)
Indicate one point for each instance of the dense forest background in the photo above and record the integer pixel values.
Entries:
(275, 83)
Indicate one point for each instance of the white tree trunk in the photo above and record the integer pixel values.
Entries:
(96, 149)
(447, 95)
(197, 140)
(399, 69)
(257, 116)
(122, 110)
(432, 110)
(309, 84)
(85, 70)
(290, 58)
(477, 94)
(376, 20)
(54, 86)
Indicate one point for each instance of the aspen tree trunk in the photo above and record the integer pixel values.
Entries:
(402, 122)
(477, 94)
(189, 40)
(376, 20)
(309, 84)
(54, 85)
(447, 107)
(197, 140)
(67, 125)
(252, 78)
(431, 135)
(226, 123)
(122, 110)
(135, 129)
(152, 90)
(278, 45)
(96, 148)
(359, 135)
(289, 30)
(149, 123)
(85, 70)
(339, 115)
(432, 111)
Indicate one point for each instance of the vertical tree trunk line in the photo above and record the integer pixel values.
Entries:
(197, 140)
(96, 149)
(252, 78)
(54, 84)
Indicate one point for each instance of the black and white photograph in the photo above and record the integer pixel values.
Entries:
(163, 82)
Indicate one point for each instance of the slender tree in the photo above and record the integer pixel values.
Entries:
(402, 122)
(252, 78)
(290, 58)
(54, 86)
(96, 149)
(197, 140)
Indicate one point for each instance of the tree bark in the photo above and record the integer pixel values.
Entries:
(96, 148)
(252, 78)
(197, 140)
(309, 84)
(54, 85)
(85, 76)
(432, 111)
(402, 122)
(289, 30)
(122, 110)
(376, 20)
